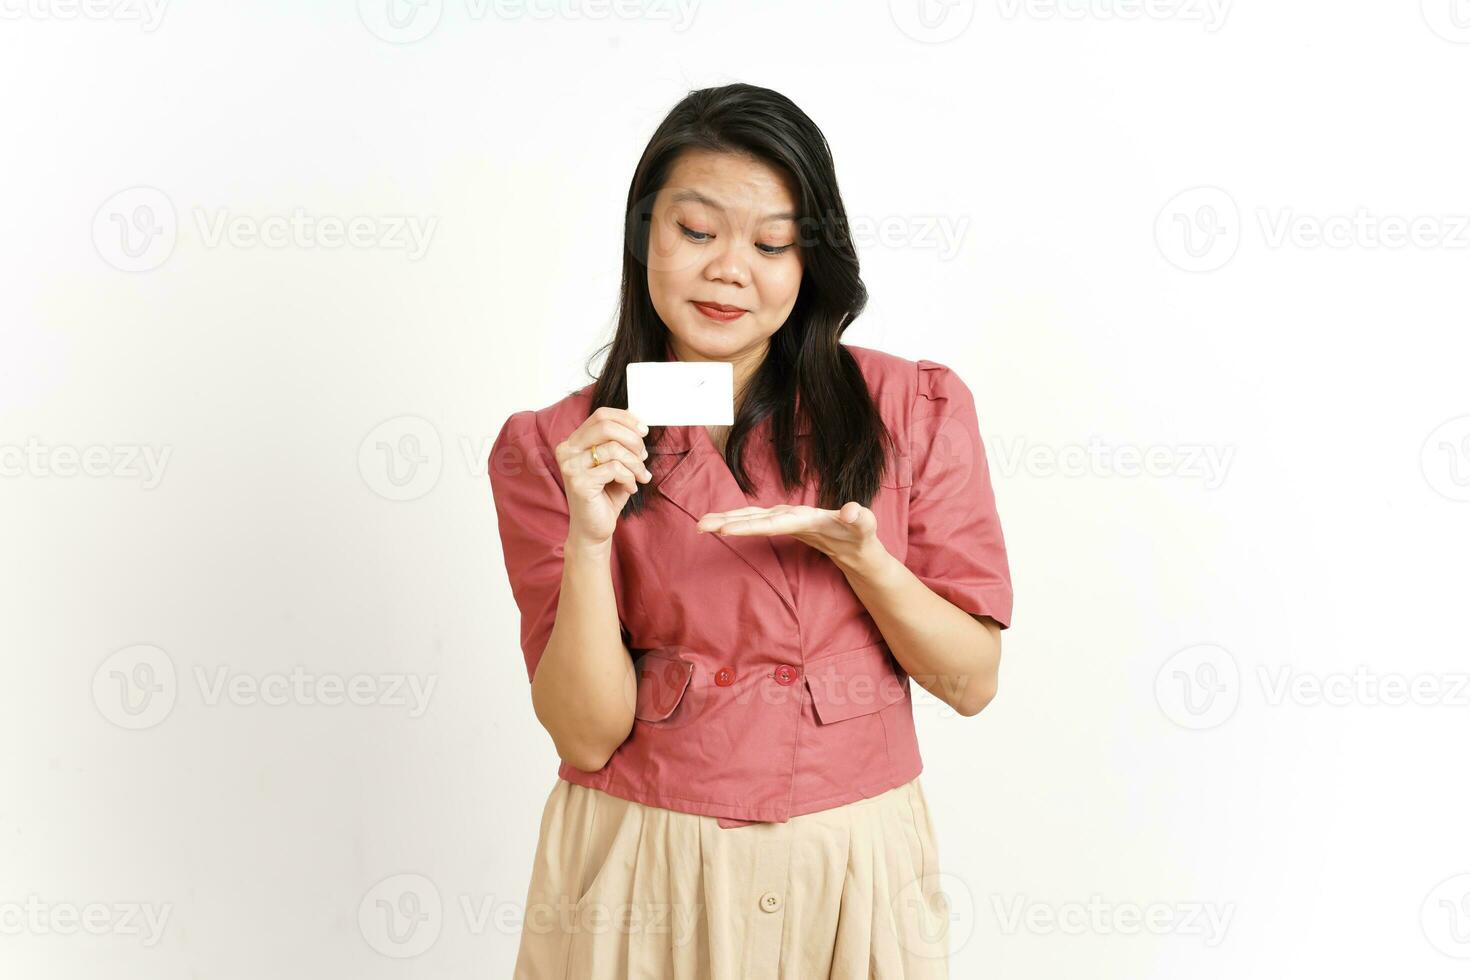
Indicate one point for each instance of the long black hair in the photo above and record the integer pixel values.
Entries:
(847, 435)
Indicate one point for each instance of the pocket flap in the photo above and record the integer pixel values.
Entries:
(662, 678)
(854, 683)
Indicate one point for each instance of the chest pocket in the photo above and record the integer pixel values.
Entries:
(857, 682)
(663, 676)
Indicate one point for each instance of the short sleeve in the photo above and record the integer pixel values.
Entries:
(955, 544)
(531, 510)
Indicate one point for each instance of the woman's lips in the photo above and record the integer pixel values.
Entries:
(718, 313)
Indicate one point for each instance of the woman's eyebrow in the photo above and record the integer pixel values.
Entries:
(691, 195)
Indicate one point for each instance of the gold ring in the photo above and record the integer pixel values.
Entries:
(595, 460)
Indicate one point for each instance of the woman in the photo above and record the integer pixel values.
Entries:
(720, 623)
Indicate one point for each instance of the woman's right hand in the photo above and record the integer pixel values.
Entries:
(596, 494)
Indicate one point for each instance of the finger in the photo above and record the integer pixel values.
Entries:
(713, 520)
(857, 517)
(597, 430)
(741, 512)
(614, 471)
(616, 450)
(624, 416)
(791, 522)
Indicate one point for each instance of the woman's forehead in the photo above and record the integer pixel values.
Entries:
(730, 183)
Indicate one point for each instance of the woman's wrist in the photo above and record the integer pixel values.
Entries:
(869, 561)
(577, 546)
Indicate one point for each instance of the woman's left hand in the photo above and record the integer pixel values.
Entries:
(846, 535)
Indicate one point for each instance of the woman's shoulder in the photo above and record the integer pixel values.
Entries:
(903, 380)
(894, 382)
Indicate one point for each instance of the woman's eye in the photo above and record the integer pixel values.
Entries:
(703, 236)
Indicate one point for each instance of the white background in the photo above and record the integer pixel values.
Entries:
(1026, 174)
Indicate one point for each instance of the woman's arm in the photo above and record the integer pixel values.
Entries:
(585, 688)
(557, 539)
(952, 654)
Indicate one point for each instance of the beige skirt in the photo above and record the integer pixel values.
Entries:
(625, 891)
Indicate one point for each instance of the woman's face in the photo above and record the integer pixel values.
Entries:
(723, 233)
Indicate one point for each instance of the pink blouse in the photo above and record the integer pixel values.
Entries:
(765, 690)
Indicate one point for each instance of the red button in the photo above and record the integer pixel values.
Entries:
(785, 674)
(724, 677)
